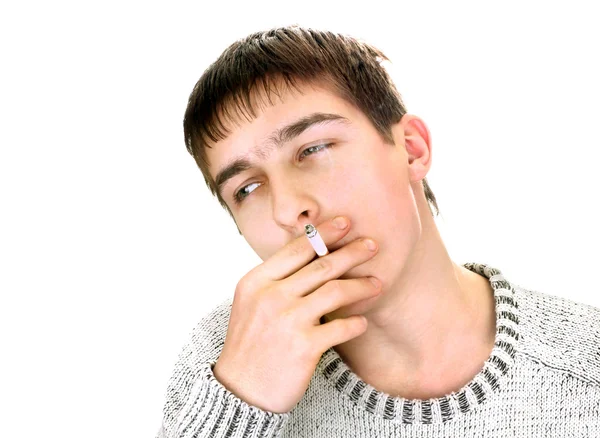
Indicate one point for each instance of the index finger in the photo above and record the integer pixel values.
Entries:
(299, 252)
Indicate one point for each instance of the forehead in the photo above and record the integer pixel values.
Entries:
(287, 106)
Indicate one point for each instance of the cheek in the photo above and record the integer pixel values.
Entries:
(378, 187)
(254, 231)
(385, 201)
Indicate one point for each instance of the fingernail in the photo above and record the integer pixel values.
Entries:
(340, 222)
(370, 244)
(375, 281)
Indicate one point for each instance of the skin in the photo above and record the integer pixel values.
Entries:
(433, 326)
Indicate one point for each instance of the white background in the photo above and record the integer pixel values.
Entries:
(106, 264)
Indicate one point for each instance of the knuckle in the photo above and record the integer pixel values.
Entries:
(248, 286)
(244, 285)
(297, 247)
(336, 293)
(323, 266)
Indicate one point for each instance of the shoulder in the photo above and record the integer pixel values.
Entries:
(560, 333)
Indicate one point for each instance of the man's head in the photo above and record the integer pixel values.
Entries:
(321, 131)
(236, 88)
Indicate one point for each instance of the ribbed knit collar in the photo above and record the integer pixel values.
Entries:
(439, 410)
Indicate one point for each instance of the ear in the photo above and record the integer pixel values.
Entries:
(418, 146)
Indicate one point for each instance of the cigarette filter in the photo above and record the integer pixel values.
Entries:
(316, 240)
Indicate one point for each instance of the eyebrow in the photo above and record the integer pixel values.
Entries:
(277, 139)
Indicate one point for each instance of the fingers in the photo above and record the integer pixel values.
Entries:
(337, 332)
(327, 268)
(298, 253)
(338, 293)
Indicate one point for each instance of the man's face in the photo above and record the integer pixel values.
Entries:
(359, 176)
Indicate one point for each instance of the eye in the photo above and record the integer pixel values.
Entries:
(318, 147)
(241, 194)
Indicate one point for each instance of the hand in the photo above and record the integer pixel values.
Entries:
(275, 339)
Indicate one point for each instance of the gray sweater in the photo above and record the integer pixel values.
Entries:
(542, 379)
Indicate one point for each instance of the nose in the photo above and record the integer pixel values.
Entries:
(293, 205)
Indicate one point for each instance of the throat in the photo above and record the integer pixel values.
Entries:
(444, 366)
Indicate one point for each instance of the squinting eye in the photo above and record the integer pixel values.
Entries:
(240, 195)
(318, 147)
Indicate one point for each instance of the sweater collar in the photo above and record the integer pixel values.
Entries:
(440, 410)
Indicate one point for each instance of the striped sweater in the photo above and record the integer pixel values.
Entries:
(542, 379)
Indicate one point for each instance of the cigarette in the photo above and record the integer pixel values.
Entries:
(315, 240)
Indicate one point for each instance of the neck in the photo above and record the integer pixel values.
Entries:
(431, 331)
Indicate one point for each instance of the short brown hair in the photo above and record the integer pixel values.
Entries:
(290, 55)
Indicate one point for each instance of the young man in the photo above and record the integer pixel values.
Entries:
(295, 126)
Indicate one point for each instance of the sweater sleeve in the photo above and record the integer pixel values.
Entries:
(197, 404)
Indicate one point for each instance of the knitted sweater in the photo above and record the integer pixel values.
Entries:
(542, 379)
